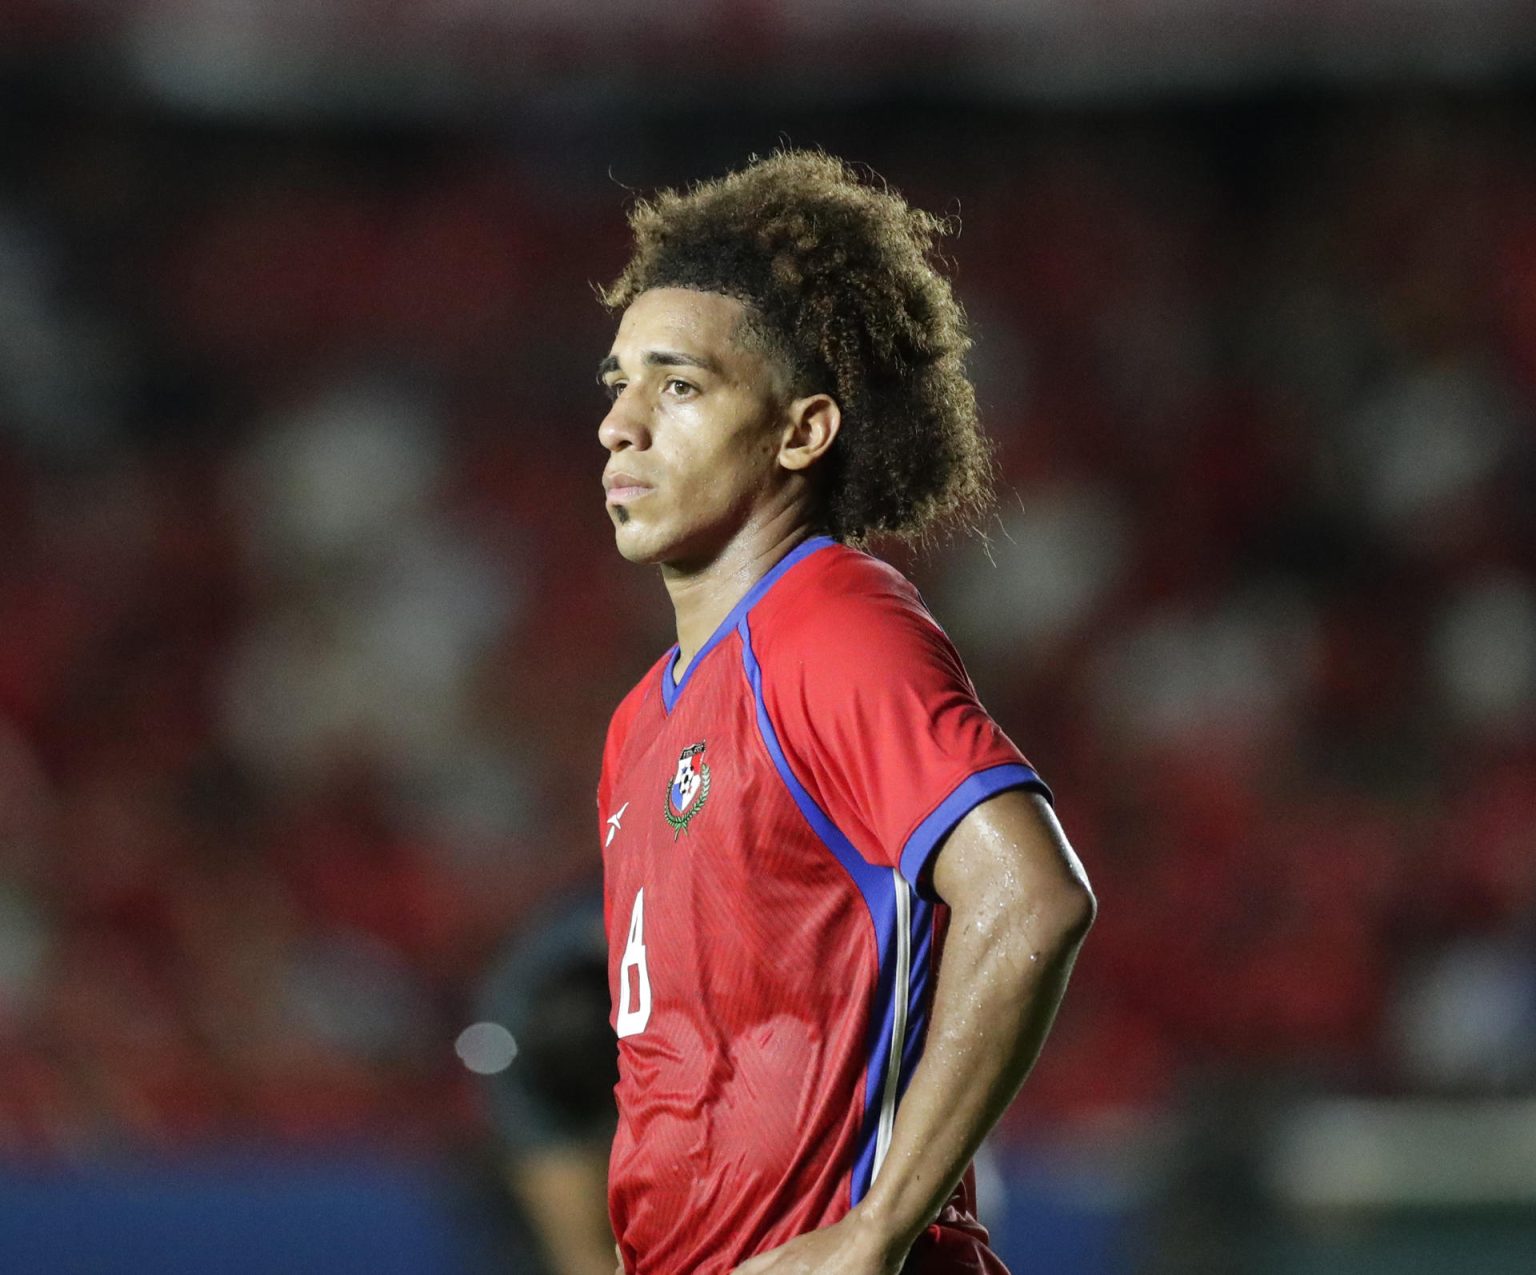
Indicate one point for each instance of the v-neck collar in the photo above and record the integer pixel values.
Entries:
(671, 689)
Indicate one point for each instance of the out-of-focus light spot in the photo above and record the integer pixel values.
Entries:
(486, 1048)
(1484, 651)
(1042, 575)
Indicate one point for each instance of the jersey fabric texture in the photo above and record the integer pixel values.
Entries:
(769, 822)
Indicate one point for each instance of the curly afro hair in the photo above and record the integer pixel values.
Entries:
(837, 274)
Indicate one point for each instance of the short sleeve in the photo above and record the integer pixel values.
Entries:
(881, 725)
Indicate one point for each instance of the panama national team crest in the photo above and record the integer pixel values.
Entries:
(689, 789)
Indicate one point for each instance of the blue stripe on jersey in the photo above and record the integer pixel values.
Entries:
(967, 795)
(877, 886)
(671, 689)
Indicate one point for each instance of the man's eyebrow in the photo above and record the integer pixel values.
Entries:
(661, 358)
(675, 358)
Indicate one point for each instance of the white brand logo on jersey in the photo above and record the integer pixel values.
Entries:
(613, 824)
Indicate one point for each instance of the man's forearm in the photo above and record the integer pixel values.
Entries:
(1006, 961)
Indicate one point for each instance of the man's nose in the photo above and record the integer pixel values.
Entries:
(625, 424)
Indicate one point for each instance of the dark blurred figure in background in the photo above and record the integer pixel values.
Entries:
(552, 1100)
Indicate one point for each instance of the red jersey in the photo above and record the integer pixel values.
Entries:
(768, 825)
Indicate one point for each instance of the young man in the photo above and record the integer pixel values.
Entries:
(802, 805)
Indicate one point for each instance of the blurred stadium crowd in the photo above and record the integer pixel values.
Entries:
(310, 621)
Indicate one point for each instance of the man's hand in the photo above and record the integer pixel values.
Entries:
(849, 1247)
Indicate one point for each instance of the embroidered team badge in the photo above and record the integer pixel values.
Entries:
(688, 791)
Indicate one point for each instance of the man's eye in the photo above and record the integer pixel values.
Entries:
(613, 389)
(680, 388)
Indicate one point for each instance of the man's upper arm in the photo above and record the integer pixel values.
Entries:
(1008, 860)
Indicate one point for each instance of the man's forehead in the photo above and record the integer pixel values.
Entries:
(684, 311)
(703, 327)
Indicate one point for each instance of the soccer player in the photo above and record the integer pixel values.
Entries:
(840, 910)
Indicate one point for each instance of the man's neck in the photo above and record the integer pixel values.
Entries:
(703, 597)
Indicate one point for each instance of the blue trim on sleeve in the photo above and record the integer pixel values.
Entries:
(670, 688)
(877, 887)
(969, 793)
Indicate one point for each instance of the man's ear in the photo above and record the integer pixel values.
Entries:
(811, 429)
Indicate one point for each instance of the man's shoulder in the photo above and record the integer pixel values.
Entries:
(837, 580)
(837, 599)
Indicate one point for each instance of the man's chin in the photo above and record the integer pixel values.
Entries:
(656, 551)
(634, 543)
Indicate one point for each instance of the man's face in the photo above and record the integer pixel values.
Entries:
(693, 432)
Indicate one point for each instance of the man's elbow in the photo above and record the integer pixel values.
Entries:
(1067, 916)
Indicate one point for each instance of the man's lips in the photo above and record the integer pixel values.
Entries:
(623, 488)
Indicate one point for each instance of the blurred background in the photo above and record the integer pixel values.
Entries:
(310, 621)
